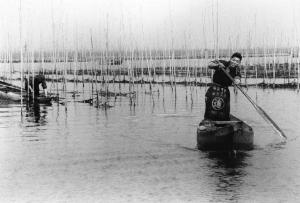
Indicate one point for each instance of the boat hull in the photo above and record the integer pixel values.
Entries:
(224, 135)
(10, 96)
(12, 93)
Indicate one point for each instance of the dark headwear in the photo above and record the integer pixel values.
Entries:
(237, 55)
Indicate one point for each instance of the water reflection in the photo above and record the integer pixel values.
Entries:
(228, 171)
(36, 113)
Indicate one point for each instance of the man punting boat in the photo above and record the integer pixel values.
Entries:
(217, 97)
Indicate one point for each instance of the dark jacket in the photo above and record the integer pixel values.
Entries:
(220, 77)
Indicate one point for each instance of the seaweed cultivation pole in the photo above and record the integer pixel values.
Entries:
(265, 77)
(27, 68)
(65, 77)
(148, 59)
(54, 70)
(21, 53)
(106, 60)
(76, 62)
(255, 54)
(164, 66)
(32, 70)
(213, 33)
(9, 58)
(64, 60)
(274, 64)
(187, 75)
(298, 68)
(101, 70)
(255, 65)
(86, 70)
(217, 30)
(172, 68)
(205, 51)
(82, 64)
(131, 74)
(92, 71)
(154, 66)
(42, 58)
(195, 68)
(248, 64)
(113, 75)
(142, 67)
(290, 64)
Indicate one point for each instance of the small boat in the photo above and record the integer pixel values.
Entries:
(233, 134)
(12, 93)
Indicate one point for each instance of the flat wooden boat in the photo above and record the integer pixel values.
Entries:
(9, 92)
(224, 135)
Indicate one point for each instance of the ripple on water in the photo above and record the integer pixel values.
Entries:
(146, 152)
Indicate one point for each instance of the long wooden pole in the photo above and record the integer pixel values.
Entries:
(258, 108)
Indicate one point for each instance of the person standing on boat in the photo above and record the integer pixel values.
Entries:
(217, 97)
(32, 86)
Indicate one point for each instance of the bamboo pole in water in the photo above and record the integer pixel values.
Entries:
(106, 58)
(92, 71)
(82, 65)
(265, 77)
(43, 60)
(154, 66)
(21, 53)
(27, 69)
(54, 56)
(255, 65)
(164, 66)
(142, 67)
(274, 64)
(75, 63)
(170, 69)
(217, 30)
(9, 58)
(75, 87)
(290, 65)
(298, 68)
(148, 59)
(174, 73)
(186, 69)
(65, 78)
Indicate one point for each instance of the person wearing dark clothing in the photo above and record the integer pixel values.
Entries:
(32, 85)
(217, 97)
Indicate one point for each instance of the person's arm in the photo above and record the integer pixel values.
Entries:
(30, 88)
(44, 85)
(45, 92)
(215, 64)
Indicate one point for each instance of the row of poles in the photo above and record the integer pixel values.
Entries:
(98, 69)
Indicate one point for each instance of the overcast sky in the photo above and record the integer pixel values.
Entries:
(149, 23)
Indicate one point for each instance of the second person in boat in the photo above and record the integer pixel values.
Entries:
(32, 85)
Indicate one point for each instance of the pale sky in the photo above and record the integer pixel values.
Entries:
(149, 23)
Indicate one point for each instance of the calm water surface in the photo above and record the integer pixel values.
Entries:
(74, 152)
